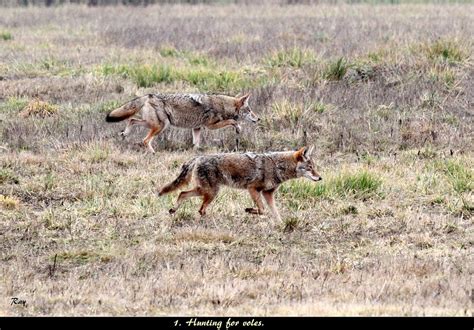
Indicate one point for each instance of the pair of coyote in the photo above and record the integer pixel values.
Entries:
(261, 174)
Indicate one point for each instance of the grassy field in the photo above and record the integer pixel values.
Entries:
(384, 93)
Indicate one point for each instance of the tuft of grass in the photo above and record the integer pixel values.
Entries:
(13, 104)
(169, 51)
(290, 224)
(9, 203)
(211, 80)
(459, 176)
(7, 176)
(303, 189)
(445, 50)
(205, 79)
(336, 70)
(142, 75)
(295, 57)
(360, 185)
(5, 35)
(97, 154)
(49, 181)
(288, 112)
(147, 76)
(350, 209)
(198, 59)
(319, 107)
(108, 106)
(446, 75)
(38, 108)
(191, 57)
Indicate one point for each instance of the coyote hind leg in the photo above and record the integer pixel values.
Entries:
(151, 135)
(207, 198)
(130, 123)
(183, 196)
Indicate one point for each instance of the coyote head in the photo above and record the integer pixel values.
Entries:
(305, 166)
(243, 109)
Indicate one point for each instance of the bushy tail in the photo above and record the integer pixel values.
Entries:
(183, 178)
(127, 110)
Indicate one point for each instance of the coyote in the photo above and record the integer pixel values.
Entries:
(158, 111)
(258, 173)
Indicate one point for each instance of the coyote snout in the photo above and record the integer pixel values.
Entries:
(247, 114)
(260, 174)
(306, 169)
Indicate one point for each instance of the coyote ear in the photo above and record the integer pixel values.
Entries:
(308, 152)
(299, 155)
(241, 101)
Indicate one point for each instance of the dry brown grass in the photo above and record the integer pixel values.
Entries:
(383, 92)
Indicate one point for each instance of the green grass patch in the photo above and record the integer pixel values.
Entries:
(336, 70)
(449, 51)
(5, 36)
(191, 57)
(360, 185)
(108, 106)
(294, 57)
(142, 75)
(7, 176)
(13, 104)
(205, 79)
(148, 76)
(458, 175)
(212, 80)
(169, 51)
(302, 189)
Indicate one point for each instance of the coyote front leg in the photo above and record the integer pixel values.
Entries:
(225, 123)
(196, 137)
(229, 122)
(269, 196)
(258, 201)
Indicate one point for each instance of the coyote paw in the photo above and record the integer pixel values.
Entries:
(252, 210)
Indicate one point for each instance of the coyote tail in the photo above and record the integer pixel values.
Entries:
(127, 110)
(183, 178)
